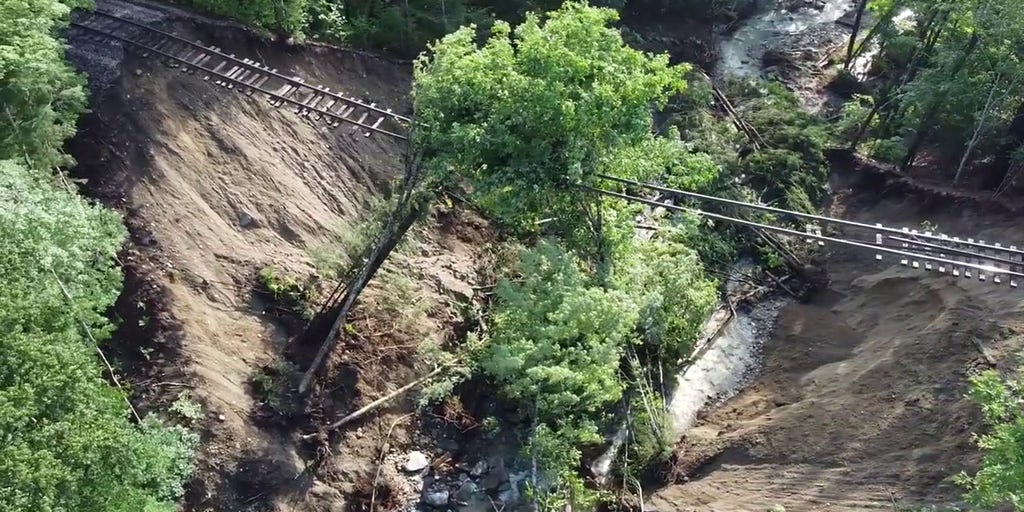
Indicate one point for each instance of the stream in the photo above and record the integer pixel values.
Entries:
(730, 358)
(740, 52)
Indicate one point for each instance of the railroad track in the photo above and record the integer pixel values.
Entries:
(319, 104)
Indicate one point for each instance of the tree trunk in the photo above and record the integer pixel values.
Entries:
(882, 22)
(1004, 159)
(395, 232)
(853, 35)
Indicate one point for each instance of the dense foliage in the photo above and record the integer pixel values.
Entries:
(405, 27)
(535, 112)
(998, 482)
(68, 444)
(40, 95)
(948, 80)
(521, 122)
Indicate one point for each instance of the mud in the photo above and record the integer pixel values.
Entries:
(861, 401)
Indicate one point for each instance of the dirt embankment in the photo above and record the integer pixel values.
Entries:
(215, 186)
(861, 400)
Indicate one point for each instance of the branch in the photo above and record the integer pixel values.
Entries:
(380, 460)
(376, 404)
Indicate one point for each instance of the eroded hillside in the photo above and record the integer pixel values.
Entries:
(216, 186)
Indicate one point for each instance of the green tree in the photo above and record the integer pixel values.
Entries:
(536, 111)
(288, 16)
(554, 347)
(998, 482)
(667, 279)
(68, 444)
(556, 338)
(40, 95)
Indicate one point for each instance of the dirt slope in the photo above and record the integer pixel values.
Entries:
(215, 186)
(860, 402)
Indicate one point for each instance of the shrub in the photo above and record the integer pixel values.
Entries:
(998, 482)
(68, 444)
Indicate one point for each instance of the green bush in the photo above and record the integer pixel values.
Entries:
(41, 96)
(998, 482)
(68, 444)
(665, 277)
(289, 16)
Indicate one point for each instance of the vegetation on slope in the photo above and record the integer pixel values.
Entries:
(406, 27)
(592, 310)
(948, 81)
(69, 443)
(998, 482)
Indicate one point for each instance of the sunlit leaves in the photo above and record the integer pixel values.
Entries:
(557, 338)
(539, 109)
(67, 442)
(40, 96)
(999, 481)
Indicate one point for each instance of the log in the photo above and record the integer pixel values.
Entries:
(370, 407)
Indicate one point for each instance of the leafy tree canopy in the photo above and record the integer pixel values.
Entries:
(998, 482)
(68, 444)
(40, 95)
(536, 110)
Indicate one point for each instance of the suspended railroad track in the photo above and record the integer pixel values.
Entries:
(919, 249)
(317, 103)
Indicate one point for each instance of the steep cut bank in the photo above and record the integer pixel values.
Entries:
(860, 403)
(216, 186)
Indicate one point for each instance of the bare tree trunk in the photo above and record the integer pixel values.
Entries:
(853, 35)
(882, 22)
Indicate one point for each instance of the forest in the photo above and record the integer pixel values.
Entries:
(517, 105)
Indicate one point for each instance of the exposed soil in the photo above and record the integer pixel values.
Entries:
(215, 186)
(861, 400)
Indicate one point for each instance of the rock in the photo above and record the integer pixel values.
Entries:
(221, 417)
(777, 508)
(465, 492)
(436, 498)
(138, 72)
(246, 219)
(417, 462)
(478, 469)
(509, 496)
(454, 288)
(477, 503)
(495, 478)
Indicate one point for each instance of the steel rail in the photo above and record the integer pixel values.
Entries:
(249, 64)
(877, 228)
(787, 231)
(250, 81)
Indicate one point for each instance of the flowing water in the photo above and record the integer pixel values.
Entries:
(731, 358)
(739, 53)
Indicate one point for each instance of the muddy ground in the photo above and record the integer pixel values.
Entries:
(215, 186)
(860, 404)
(861, 395)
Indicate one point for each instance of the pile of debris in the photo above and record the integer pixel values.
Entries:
(484, 486)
